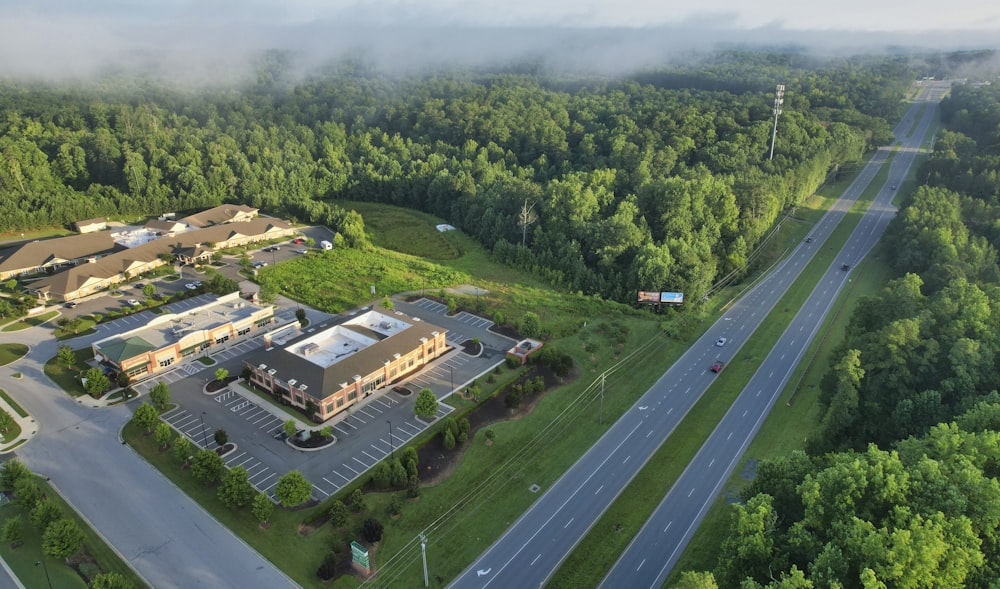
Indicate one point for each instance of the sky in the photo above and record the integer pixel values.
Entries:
(205, 38)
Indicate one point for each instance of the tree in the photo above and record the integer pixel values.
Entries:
(398, 474)
(490, 434)
(426, 405)
(290, 428)
(236, 490)
(66, 356)
(300, 315)
(112, 580)
(207, 466)
(182, 449)
(395, 505)
(149, 290)
(62, 538)
(6, 421)
(96, 382)
(164, 434)
(262, 508)
(123, 380)
(27, 494)
(449, 439)
(221, 437)
(413, 487)
(531, 325)
(292, 489)
(371, 530)
(338, 514)
(11, 472)
(512, 400)
(326, 432)
(382, 475)
(13, 531)
(44, 513)
(387, 303)
(357, 501)
(696, 580)
(160, 395)
(146, 417)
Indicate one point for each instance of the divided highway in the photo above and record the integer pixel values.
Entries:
(531, 550)
(655, 549)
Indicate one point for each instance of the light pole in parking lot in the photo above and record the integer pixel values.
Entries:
(204, 439)
(451, 369)
(392, 447)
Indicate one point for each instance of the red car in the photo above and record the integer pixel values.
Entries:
(298, 241)
(717, 366)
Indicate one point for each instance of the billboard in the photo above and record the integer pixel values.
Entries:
(672, 298)
(648, 297)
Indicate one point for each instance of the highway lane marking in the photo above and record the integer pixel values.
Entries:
(598, 489)
(640, 565)
(670, 411)
(535, 559)
(668, 526)
(687, 391)
(745, 412)
(730, 435)
(626, 459)
(569, 522)
(711, 463)
(691, 492)
(758, 394)
(558, 509)
(650, 433)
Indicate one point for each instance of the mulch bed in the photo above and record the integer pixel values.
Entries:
(218, 385)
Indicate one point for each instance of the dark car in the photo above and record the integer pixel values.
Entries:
(401, 390)
(70, 304)
(845, 267)
(717, 366)
(809, 240)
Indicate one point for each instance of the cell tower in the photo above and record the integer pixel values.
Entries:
(779, 99)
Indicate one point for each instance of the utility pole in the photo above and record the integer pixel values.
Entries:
(601, 420)
(779, 99)
(423, 555)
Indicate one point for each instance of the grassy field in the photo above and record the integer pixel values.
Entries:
(11, 352)
(67, 377)
(86, 327)
(407, 231)
(27, 322)
(23, 558)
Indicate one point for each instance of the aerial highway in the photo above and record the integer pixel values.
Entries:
(534, 546)
(655, 549)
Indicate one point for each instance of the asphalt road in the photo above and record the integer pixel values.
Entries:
(655, 549)
(532, 549)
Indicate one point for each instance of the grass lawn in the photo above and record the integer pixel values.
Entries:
(11, 352)
(10, 401)
(27, 322)
(407, 231)
(22, 559)
(67, 378)
(598, 550)
(206, 360)
(86, 327)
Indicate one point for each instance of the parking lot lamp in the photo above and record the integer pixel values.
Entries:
(392, 447)
(451, 369)
(204, 438)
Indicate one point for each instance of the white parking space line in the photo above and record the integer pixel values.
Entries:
(350, 469)
(269, 477)
(362, 410)
(321, 490)
(358, 460)
(365, 452)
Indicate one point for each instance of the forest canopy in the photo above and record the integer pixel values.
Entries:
(605, 186)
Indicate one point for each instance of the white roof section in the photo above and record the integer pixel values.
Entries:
(333, 345)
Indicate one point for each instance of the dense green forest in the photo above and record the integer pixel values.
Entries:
(899, 486)
(660, 180)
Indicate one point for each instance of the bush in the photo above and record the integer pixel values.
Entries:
(12, 471)
(328, 568)
(338, 514)
(221, 437)
(413, 488)
(262, 508)
(399, 475)
(371, 530)
(13, 531)
(426, 405)
(62, 538)
(395, 505)
(207, 467)
(357, 501)
(513, 398)
(381, 475)
(449, 440)
(292, 489)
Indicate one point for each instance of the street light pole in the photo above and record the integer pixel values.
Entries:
(451, 369)
(392, 447)
(204, 439)
(423, 554)
(779, 99)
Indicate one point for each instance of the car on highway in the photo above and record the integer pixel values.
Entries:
(717, 366)
(809, 240)
(845, 267)
(191, 286)
(721, 341)
(894, 187)
(134, 303)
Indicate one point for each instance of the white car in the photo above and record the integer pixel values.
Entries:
(721, 341)
(191, 286)
(134, 303)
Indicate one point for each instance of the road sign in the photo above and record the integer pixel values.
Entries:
(359, 554)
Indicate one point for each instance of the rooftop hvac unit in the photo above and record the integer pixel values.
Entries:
(303, 387)
(262, 366)
(272, 372)
(291, 382)
(310, 348)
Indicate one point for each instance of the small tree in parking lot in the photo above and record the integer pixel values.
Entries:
(221, 374)
(160, 395)
(97, 383)
(207, 467)
(66, 355)
(426, 405)
(221, 437)
(145, 417)
(262, 508)
(290, 428)
(164, 434)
